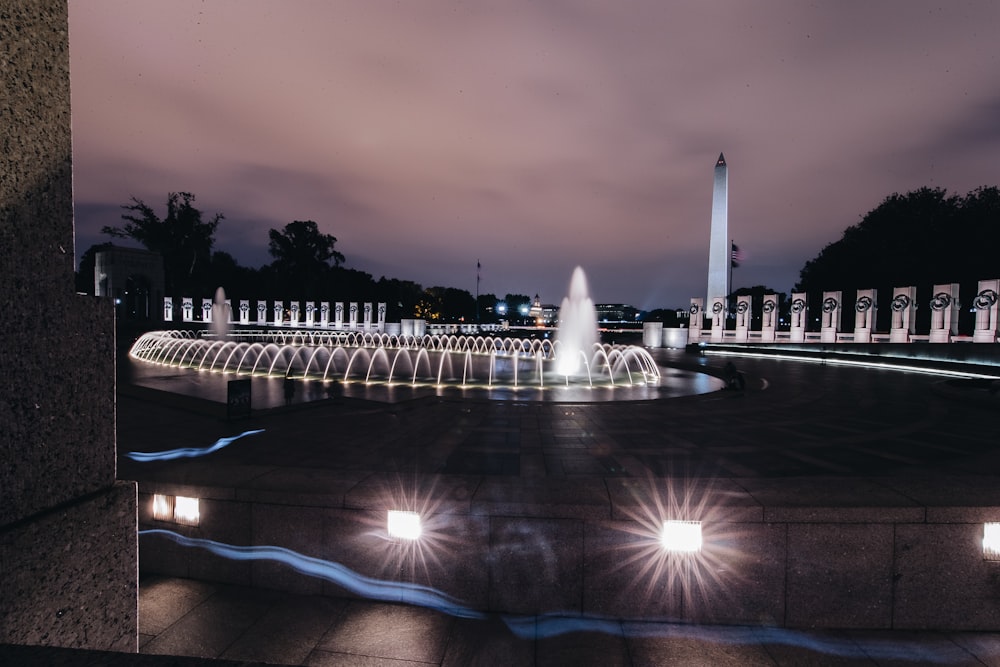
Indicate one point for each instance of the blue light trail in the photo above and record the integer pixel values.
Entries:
(374, 589)
(188, 452)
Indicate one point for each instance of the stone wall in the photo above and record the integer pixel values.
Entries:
(67, 528)
(862, 553)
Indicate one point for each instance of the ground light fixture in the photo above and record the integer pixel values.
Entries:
(404, 525)
(681, 536)
(163, 507)
(991, 541)
(186, 510)
(179, 509)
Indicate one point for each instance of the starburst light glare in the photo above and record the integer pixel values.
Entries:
(991, 541)
(681, 536)
(404, 525)
(186, 511)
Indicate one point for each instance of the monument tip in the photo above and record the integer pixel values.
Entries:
(722, 161)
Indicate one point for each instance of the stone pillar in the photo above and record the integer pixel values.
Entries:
(799, 317)
(324, 313)
(353, 315)
(769, 318)
(830, 323)
(187, 309)
(381, 316)
(742, 318)
(419, 328)
(864, 315)
(227, 310)
(652, 334)
(368, 316)
(279, 313)
(695, 319)
(310, 313)
(985, 304)
(944, 313)
(168, 309)
(206, 310)
(904, 303)
(261, 312)
(68, 544)
(244, 311)
(294, 313)
(338, 315)
(717, 312)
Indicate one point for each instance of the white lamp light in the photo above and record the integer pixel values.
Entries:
(681, 536)
(991, 541)
(163, 507)
(404, 525)
(186, 510)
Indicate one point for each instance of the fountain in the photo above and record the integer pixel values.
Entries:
(220, 314)
(577, 327)
(506, 366)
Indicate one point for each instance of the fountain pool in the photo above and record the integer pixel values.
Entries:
(432, 360)
(575, 366)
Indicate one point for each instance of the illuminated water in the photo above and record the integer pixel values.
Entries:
(577, 328)
(431, 360)
(574, 367)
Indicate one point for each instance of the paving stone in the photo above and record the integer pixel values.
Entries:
(389, 631)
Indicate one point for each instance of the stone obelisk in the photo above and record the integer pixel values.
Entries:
(718, 246)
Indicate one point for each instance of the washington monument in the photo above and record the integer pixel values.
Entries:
(718, 246)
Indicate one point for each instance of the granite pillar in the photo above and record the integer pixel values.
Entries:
(67, 527)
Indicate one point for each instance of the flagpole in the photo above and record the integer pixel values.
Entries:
(478, 266)
(729, 291)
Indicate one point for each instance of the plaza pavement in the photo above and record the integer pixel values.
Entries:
(802, 425)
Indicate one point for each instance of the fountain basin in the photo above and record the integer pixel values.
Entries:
(431, 360)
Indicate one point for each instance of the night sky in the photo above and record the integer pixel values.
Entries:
(532, 136)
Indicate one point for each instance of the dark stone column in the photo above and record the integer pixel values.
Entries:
(67, 527)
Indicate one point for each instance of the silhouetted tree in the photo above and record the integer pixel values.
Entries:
(921, 238)
(400, 297)
(517, 306)
(303, 256)
(446, 304)
(183, 239)
(487, 309)
(238, 281)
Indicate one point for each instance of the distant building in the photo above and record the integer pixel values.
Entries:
(550, 314)
(617, 313)
(133, 278)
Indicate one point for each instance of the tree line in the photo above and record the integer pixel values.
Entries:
(306, 265)
(921, 238)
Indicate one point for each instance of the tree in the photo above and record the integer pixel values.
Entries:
(400, 297)
(183, 239)
(302, 255)
(446, 304)
(517, 306)
(921, 238)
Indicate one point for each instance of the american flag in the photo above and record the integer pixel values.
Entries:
(735, 256)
